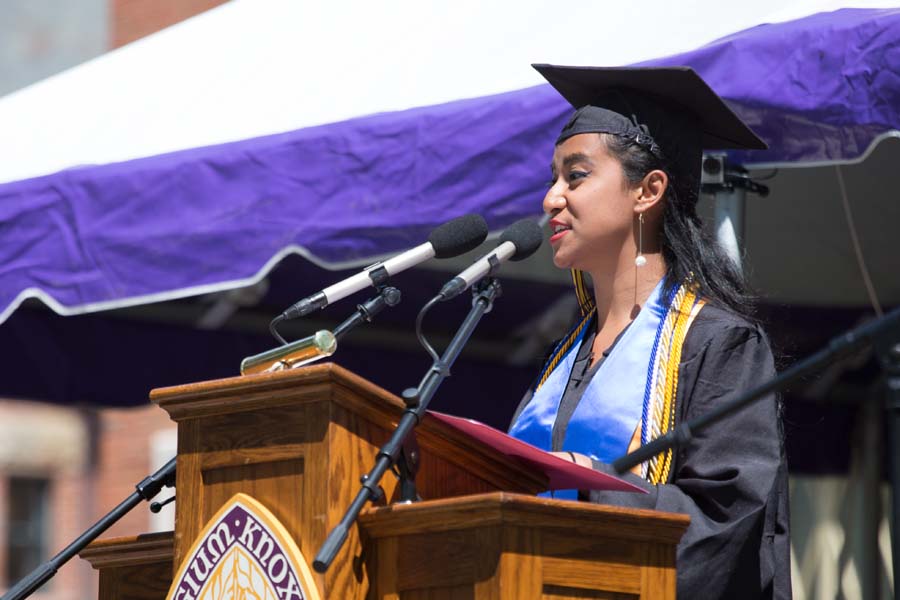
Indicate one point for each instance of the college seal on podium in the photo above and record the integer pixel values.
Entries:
(244, 552)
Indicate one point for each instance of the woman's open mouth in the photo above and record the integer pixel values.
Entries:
(559, 230)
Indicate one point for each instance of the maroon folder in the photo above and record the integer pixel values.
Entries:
(562, 474)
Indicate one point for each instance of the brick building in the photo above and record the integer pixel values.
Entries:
(62, 468)
(133, 19)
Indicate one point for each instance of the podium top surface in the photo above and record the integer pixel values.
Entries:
(519, 509)
(130, 550)
(249, 392)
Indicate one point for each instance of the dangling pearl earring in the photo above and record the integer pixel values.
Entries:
(639, 260)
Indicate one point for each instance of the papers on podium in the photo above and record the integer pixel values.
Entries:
(562, 474)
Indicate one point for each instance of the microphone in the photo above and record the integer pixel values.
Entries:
(519, 241)
(450, 239)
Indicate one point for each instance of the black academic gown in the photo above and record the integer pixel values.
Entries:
(731, 479)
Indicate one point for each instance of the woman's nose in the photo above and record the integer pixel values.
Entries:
(554, 200)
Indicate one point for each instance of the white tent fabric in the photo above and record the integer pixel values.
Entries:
(251, 68)
(255, 67)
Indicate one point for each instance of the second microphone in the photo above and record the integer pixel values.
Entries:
(520, 240)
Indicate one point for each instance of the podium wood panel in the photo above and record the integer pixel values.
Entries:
(505, 546)
(135, 567)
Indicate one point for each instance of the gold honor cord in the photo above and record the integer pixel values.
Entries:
(658, 374)
(662, 407)
(586, 305)
(563, 349)
(659, 471)
(585, 298)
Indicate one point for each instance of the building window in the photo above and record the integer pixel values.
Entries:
(28, 526)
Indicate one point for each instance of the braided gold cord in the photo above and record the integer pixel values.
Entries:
(684, 315)
(663, 372)
(586, 305)
(582, 293)
(562, 350)
(662, 360)
(658, 381)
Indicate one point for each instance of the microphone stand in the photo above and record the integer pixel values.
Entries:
(484, 294)
(145, 490)
(882, 334)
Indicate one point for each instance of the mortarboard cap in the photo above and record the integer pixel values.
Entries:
(668, 110)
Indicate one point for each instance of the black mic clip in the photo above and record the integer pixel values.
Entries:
(378, 274)
(486, 289)
(494, 263)
(387, 296)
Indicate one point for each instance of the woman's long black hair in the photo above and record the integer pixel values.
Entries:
(688, 249)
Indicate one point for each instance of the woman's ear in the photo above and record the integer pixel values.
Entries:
(651, 190)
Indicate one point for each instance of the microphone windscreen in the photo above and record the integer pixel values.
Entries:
(458, 236)
(525, 235)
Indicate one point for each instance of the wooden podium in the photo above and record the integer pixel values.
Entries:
(299, 441)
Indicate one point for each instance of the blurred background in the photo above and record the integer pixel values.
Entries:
(101, 95)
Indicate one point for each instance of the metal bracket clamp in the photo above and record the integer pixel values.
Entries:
(717, 175)
(378, 274)
(495, 264)
(407, 467)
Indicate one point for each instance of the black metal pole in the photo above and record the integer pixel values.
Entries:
(889, 357)
(145, 490)
(387, 456)
(850, 341)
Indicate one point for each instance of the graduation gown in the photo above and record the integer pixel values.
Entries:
(731, 479)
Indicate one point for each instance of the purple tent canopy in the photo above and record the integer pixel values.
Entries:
(817, 89)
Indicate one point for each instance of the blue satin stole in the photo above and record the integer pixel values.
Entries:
(610, 409)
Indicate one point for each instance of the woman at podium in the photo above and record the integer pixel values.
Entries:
(665, 332)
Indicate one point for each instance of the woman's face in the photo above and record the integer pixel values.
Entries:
(591, 204)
